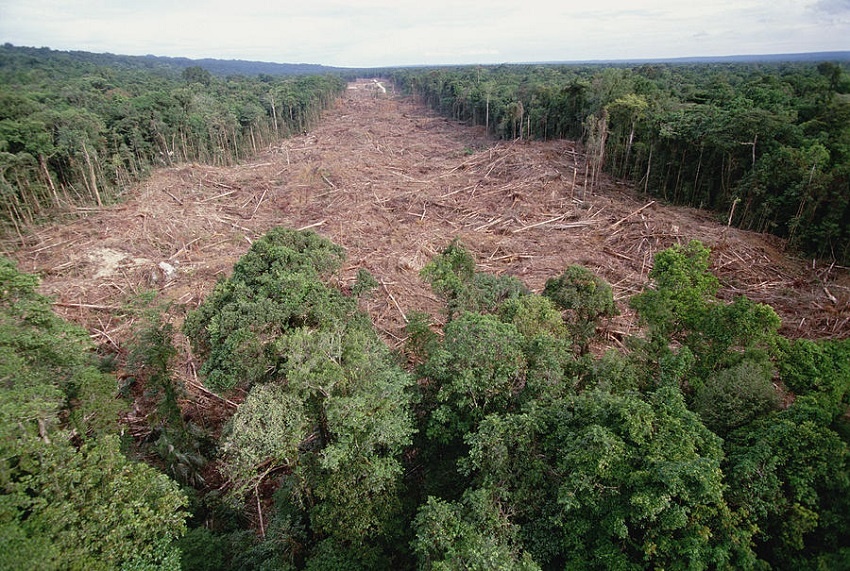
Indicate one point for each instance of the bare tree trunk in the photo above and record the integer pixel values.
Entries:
(648, 166)
(168, 152)
(274, 115)
(14, 216)
(43, 164)
(183, 142)
(699, 167)
(679, 179)
(93, 185)
(629, 149)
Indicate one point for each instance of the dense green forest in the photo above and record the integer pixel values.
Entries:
(218, 67)
(767, 146)
(75, 132)
(709, 442)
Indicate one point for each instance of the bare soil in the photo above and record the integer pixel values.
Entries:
(394, 183)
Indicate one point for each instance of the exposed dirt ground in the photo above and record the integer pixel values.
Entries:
(393, 183)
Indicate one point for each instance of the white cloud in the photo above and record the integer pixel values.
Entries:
(385, 32)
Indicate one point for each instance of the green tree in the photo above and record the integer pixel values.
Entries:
(819, 369)
(604, 481)
(478, 370)
(197, 74)
(682, 308)
(327, 406)
(275, 288)
(452, 276)
(585, 298)
(734, 397)
(787, 474)
(473, 535)
(70, 498)
(551, 370)
(91, 508)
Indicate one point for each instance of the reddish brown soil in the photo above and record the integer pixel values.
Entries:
(393, 183)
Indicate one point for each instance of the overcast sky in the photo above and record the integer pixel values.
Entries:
(373, 33)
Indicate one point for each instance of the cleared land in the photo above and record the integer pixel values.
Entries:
(393, 183)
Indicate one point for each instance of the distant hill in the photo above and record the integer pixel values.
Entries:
(841, 56)
(14, 55)
(241, 67)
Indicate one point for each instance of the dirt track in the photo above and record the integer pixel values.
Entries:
(393, 183)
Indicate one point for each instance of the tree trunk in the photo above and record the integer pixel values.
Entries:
(629, 149)
(93, 184)
(274, 116)
(699, 167)
(43, 164)
(14, 216)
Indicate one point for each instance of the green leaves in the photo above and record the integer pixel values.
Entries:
(90, 509)
(585, 298)
(268, 428)
(682, 309)
(683, 287)
(736, 396)
(275, 288)
(473, 534)
(453, 277)
(47, 364)
(478, 370)
(70, 498)
(783, 471)
(634, 479)
(820, 369)
(327, 404)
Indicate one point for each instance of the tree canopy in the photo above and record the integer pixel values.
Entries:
(71, 499)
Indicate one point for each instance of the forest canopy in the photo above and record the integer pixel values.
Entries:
(71, 498)
(506, 443)
(706, 440)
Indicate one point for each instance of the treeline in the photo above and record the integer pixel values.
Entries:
(73, 132)
(766, 145)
